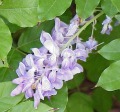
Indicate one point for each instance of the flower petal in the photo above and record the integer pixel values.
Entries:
(39, 63)
(21, 68)
(52, 76)
(91, 43)
(68, 75)
(52, 47)
(39, 87)
(29, 93)
(58, 84)
(77, 69)
(46, 85)
(50, 93)
(36, 52)
(57, 24)
(45, 36)
(52, 60)
(29, 60)
(28, 85)
(17, 90)
(36, 99)
(66, 63)
(18, 80)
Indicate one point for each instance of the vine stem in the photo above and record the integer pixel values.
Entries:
(81, 29)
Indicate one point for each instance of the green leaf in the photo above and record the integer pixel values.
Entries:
(111, 51)
(109, 8)
(13, 27)
(49, 9)
(23, 14)
(85, 8)
(110, 78)
(0, 2)
(76, 81)
(27, 106)
(116, 3)
(6, 101)
(102, 100)
(66, 17)
(3, 63)
(30, 38)
(14, 57)
(94, 66)
(117, 17)
(59, 101)
(5, 40)
(79, 102)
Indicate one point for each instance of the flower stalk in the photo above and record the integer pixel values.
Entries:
(81, 29)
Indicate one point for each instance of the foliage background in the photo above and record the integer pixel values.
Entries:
(21, 22)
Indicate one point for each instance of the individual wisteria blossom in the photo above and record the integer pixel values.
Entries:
(74, 25)
(107, 28)
(91, 43)
(40, 74)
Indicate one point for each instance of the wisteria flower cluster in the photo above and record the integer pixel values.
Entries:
(40, 74)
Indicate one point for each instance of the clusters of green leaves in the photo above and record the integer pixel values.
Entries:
(20, 31)
(109, 78)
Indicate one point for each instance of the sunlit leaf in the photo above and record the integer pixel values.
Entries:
(27, 106)
(5, 40)
(85, 8)
(109, 8)
(22, 13)
(6, 101)
(109, 79)
(111, 51)
(49, 9)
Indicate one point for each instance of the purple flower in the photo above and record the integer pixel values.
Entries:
(40, 74)
(68, 73)
(49, 43)
(73, 27)
(35, 77)
(107, 28)
(81, 54)
(59, 31)
(91, 44)
(69, 66)
(62, 32)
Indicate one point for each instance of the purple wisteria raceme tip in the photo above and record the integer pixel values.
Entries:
(36, 78)
(40, 74)
(107, 28)
(91, 44)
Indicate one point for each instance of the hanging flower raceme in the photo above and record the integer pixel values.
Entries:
(107, 28)
(40, 74)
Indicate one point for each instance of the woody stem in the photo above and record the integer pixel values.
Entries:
(81, 29)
